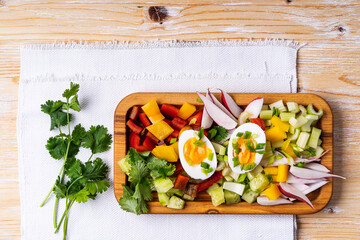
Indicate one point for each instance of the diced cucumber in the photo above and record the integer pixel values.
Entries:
(319, 142)
(177, 192)
(220, 149)
(266, 114)
(295, 136)
(164, 199)
(303, 110)
(318, 151)
(279, 105)
(226, 171)
(125, 165)
(265, 107)
(212, 187)
(310, 110)
(217, 196)
(311, 119)
(234, 187)
(293, 107)
(231, 197)
(303, 139)
(220, 166)
(314, 137)
(285, 116)
(254, 172)
(228, 178)
(235, 176)
(226, 143)
(249, 196)
(278, 144)
(176, 203)
(163, 185)
(259, 183)
(291, 129)
(298, 122)
(188, 197)
(268, 150)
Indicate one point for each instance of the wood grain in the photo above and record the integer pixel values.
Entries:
(328, 66)
(202, 204)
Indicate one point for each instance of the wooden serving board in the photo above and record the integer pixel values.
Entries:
(202, 203)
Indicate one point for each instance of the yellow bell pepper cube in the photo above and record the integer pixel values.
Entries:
(274, 177)
(286, 147)
(275, 134)
(152, 111)
(276, 121)
(271, 170)
(176, 147)
(186, 111)
(160, 130)
(272, 192)
(283, 170)
(166, 152)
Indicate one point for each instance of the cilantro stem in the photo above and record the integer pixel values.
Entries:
(55, 212)
(91, 156)
(67, 209)
(66, 220)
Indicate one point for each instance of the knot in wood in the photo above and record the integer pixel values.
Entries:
(158, 14)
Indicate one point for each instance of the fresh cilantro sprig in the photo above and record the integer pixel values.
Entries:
(141, 174)
(84, 180)
(218, 133)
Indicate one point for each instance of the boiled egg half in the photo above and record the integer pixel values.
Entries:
(246, 147)
(197, 156)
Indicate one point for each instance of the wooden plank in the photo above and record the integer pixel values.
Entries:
(327, 66)
(203, 203)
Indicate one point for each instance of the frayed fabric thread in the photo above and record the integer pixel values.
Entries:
(116, 45)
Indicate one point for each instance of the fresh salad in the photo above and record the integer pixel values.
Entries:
(269, 154)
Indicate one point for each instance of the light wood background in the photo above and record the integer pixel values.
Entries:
(329, 66)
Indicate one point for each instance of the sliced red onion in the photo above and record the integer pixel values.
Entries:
(317, 167)
(300, 186)
(218, 103)
(161, 143)
(310, 174)
(265, 201)
(292, 179)
(221, 118)
(309, 160)
(277, 162)
(312, 187)
(254, 107)
(206, 120)
(292, 192)
(230, 104)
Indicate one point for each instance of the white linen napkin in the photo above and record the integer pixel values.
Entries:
(107, 72)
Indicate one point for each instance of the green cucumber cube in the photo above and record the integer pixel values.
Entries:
(163, 185)
(176, 203)
(163, 199)
(177, 192)
(259, 183)
(254, 172)
(214, 186)
(217, 196)
(231, 197)
(250, 196)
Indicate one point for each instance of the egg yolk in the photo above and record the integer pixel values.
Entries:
(195, 154)
(245, 156)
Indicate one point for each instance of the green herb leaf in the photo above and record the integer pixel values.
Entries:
(97, 187)
(81, 197)
(72, 91)
(160, 168)
(296, 153)
(239, 134)
(260, 146)
(201, 133)
(271, 160)
(97, 139)
(247, 135)
(249, 145)
(220, 133)
(212, 133)
(300, 164)
(173, 140)
(74, 103)
(59, 189)
(236, 161)
(56, 146)
(199, 143)
(241, 178)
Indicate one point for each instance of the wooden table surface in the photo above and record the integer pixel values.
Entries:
(329, 65)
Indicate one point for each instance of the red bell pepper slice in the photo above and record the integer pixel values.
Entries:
(178, 123)
(174, 134)
(169, 110)
(167, 121)
(134, 140)
(213, 179)
(134, 127)
(259, 122)
(178, 168)
(181, 182)
(148, 144)
(152, 137)
(134, 113)
(144, 120)
(197, 116)
(192, 190)
(206, 133)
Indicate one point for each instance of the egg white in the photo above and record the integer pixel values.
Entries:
(194, 171)
(261, 138)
